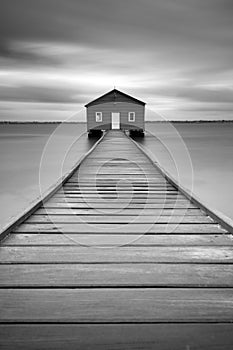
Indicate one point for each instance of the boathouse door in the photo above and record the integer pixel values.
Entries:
(115, 120)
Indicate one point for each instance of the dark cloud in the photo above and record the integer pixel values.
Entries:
(41, 94)
(16, 53)
(123, 23)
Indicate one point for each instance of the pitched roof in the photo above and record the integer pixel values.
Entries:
(114, 96)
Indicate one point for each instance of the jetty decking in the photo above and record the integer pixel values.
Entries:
(118, 258)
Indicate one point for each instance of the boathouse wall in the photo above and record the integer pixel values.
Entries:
(124, 108)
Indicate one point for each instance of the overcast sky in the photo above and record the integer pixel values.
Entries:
(57, 55)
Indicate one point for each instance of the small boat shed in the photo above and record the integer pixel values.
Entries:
(115, 110)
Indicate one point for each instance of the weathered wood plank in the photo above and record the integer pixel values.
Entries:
(116, 219)
(110, 182)
(121, 228)
(121, 211)
(106, 191)
(116, 336)
(114, 184)
(81, 254)
(100, 170)
(130, 201)
(115, 275)
(115, 195)
(135, 240)
(119, 187)
(116, 305)
(134, 177)
(103, 171)
(136, 206)
(111, 163)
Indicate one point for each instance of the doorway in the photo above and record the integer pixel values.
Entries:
(115, 120)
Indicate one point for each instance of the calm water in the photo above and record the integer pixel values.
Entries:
(198, 155)
(30, 153)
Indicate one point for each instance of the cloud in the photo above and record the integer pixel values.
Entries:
(196, 93)
(41, 94)
(25, 53)
(172, 53)
(121, 23)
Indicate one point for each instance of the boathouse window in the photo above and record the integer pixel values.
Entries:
(131, 117)
(98, 117)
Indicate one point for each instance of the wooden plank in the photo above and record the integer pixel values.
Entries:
(109, 168)
(102, 240)
(117, 173)
(81, 254)
(153, 184)
(107, 191)
(105, 166)
(118, 187)
(122, 184)
(111, 163)
(106, 171)
(110, 182)
(116, 336)
(128, 196)
(113, 183)
(140, 175)
(120, 211)
(116, 219)
(116, 305)
(98, 160)
(124, 194)
(144, 199)
(130, 201)
(135, 206)
(115, 275)
(133, 179)
(100, 157)
(128, 193)
(118, 228)
(135, 157)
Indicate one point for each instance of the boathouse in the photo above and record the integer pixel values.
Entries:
(115, 110)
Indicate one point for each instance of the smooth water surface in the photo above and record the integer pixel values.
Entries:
(199, 155)
(33, 152)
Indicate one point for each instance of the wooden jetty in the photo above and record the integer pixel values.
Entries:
(117, 258)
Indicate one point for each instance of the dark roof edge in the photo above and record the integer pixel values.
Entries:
(115, 90)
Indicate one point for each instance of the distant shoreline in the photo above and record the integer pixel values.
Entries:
(147, 122)
(38, 122)
(190, 121)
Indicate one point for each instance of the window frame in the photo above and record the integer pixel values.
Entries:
(99, 116)
(132, 120)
